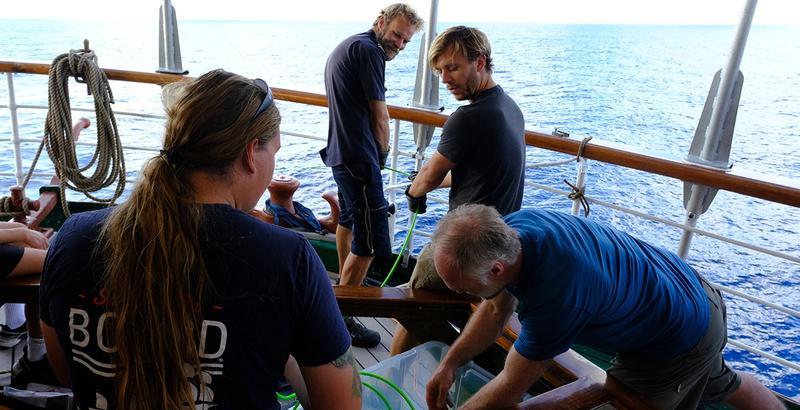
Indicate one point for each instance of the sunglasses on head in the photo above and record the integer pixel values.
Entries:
(268, 100)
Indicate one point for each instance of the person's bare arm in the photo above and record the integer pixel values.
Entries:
(507, 388)
(23, 237)
(483, 327)
(335, 385)
(379, 123)
(58, 362)
(434, 174)
(32, 262)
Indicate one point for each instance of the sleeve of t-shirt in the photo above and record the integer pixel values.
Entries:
(457, 137)
(10, 256)
(549, 332)
(54, 269)
(321, 335)
(67, 257)
(372, 73)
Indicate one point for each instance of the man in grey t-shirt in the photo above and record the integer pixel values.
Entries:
(481, 155)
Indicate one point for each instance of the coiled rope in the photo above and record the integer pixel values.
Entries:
(107, 160)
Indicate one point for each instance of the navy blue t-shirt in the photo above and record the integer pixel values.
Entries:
(588, 283)
(271, 298)
(486, 141)
(354, 75)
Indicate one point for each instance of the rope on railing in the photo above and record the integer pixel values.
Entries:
(576, 193)
(7, 209)
(107, 160)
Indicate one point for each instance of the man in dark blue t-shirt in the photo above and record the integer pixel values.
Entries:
(358, 144)
(576, 281)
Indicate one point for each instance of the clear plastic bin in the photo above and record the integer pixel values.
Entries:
(411, 370)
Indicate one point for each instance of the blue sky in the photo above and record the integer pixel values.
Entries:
(539, 11)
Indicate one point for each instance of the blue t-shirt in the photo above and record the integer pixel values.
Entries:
(486, 141)
(271, 297)
(354, 75)
(587, 283)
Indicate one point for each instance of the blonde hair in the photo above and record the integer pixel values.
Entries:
(468, 41)
(154, 271)
(396, 10)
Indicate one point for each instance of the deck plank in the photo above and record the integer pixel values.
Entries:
(381, 351)
(364, 358)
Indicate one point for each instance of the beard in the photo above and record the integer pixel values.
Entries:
(389, 50)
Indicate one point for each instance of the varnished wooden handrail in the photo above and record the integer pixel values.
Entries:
(20, 289)
(402, 303)
(759, 186)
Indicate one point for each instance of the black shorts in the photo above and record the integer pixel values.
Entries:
(364, 209)
(10, 256)
(690, 380)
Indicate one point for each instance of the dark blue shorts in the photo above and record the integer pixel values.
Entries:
(364, 209)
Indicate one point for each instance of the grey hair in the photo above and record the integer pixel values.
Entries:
(396, 10)
(474, 237)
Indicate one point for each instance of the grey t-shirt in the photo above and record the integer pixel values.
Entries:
(486, 140)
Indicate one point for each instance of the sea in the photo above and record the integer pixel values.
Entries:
(641, 86)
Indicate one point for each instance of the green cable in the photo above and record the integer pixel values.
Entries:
(405, 243)
(287, 397)
(398, 171)
(380, 395)
(367, 385)
(392, 385)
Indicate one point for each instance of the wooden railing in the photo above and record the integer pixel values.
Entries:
(759, 186)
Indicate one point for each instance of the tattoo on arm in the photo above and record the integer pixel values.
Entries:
(348, 359)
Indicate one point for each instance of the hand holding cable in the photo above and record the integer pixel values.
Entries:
(416, 204)
(382, 158)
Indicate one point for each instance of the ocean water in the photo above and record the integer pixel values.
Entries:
(643, 86)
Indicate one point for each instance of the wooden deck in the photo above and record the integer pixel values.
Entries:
(369, 357)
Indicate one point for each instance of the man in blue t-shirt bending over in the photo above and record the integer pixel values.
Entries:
(358, 144)
(576, 281)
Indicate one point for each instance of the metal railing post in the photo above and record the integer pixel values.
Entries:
(393, 177)
(15, 138)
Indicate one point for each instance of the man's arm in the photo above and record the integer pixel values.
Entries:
(434, 174)
(23, 237)
(482, 329)
(506, 390)
(335, 385)
(379, 123)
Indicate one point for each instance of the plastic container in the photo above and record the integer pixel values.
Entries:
(411, 370)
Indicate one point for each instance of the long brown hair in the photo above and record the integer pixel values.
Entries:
(154, 270)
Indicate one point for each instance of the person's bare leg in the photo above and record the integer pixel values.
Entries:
(344, 237)
(32, 317)
(751, 394)
(354, 270)
(402, 340)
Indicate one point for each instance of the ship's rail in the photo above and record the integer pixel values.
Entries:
(767, 188)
